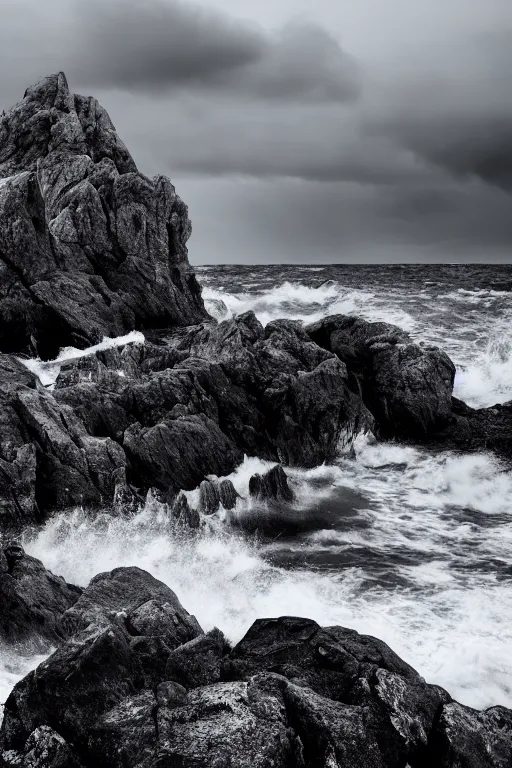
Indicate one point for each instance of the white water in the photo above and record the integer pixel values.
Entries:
(48, 370)
(411, 547)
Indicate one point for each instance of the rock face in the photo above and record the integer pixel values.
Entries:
(169, 413)
(407, 387)
(32, 600)
(88, 246)
(290, 694)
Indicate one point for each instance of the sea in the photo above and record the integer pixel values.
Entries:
(411, 546)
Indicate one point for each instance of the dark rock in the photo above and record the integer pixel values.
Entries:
(209, 497)
(13, 553)
(132, 593)
(125, 735)
(138, 684)
(197, 662)
(170, 694)
(167, 620)
(236, 724)
(177, 454)
(182, 514)
(472, 739)
(88, 246)
(32, 600)
(63, 694)
(44, 749)
(407, 387)
(272, 486)
(228, 494)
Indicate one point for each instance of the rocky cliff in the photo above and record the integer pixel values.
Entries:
(88, 245)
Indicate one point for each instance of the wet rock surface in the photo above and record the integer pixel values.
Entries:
(32, 600)
(272, 486)
(290, 694)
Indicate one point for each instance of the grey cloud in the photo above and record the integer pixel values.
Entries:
(286, 220)
(166, 45)
(459, 115)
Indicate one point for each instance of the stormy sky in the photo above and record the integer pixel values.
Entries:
(376, 130)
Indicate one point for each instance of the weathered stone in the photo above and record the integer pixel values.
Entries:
(228, 494)
(272, 486)
(209, 497)
(197, 662)
(88, 246)
(32, 600)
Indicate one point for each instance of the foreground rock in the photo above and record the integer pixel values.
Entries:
(88, 245)
(290, 694)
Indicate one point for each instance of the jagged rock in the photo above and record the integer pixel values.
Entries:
(44, 749)
(126, 735)
(124, 592)
(88, 246)
(237, 724)
(209, 497)
(228, 494)
(289, 694)
(115, 609)
(272, 486)
(183, 514)
(177, 454)
(466, 737)
(32, 600)
(407, 387)
(197, 662)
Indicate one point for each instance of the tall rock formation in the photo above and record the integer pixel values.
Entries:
(88, 245)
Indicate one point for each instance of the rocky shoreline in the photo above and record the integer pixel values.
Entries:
(91, 248)
(135, 682)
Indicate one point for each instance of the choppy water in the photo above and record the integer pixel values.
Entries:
(413, 547)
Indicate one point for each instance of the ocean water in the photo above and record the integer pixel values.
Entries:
(410, 546)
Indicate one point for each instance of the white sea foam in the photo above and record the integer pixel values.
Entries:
(442, 526)
(48, 370)
(297, 301)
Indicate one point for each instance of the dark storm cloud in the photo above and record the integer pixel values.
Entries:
(165, 43)
(162, 45)
(460, 118)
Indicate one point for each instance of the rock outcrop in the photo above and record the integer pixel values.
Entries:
(32, 600)
(169, 413)
(138, 684)
(89, 247)
(272, 486)
(406, 386)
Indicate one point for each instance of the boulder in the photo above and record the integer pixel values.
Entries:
(197, 662)
(137, 684)
(183, 515)
(228, 494)
(209, 497)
